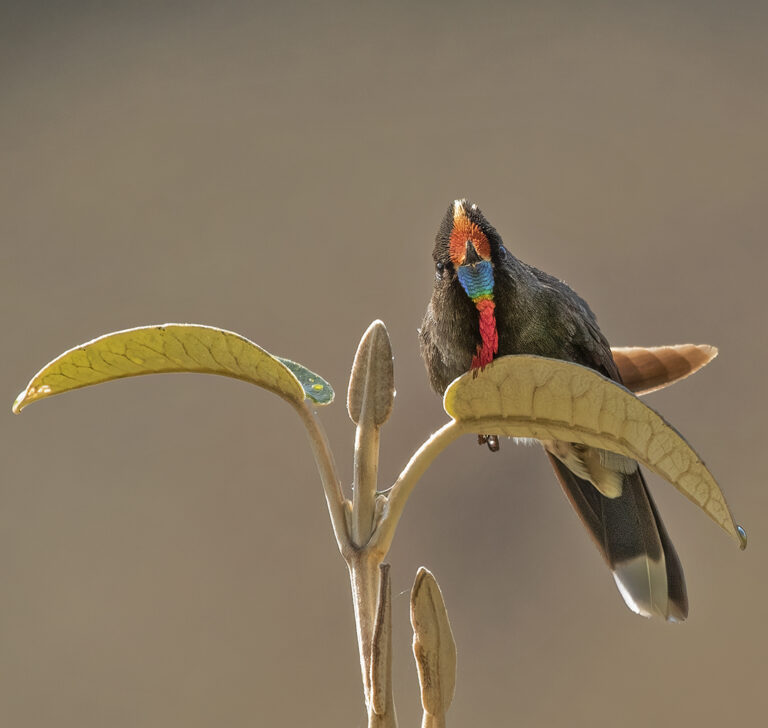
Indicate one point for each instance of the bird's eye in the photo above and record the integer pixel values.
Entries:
(502, 252)
(441, 269)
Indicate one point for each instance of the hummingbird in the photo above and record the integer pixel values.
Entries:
(487, 303)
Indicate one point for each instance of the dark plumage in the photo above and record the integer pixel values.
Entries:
(536, 313)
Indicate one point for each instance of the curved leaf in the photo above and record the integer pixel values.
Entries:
(315, 387)
(548, 399)
(172, 348)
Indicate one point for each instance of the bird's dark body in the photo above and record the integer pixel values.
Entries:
(535, 314)
(538, 314)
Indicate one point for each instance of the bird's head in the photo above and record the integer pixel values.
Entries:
(466, 250)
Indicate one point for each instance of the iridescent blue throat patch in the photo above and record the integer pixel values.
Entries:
(477, 280)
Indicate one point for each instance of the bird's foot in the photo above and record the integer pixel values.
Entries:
(491, 440)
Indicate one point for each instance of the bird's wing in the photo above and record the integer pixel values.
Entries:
(629, 534)
(592, 349)
(582, 341)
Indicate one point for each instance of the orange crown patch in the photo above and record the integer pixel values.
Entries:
(464, 229)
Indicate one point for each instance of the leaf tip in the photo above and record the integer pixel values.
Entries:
(19, 403)
(314, 387)
(29, 395)
(742, 536)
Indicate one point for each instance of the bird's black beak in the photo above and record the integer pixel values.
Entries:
(471, 257)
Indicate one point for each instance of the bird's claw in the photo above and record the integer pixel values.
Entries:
(491, 440)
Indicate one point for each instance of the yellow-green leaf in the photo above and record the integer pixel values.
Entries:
(171, 348)
(548, 399)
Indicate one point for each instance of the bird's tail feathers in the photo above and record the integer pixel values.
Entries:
(632, 539)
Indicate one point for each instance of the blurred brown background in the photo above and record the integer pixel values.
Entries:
(280, 170)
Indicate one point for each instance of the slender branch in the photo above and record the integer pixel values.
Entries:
(398, 494)
(334, 495)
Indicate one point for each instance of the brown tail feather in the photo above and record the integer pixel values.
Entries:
(645, 370)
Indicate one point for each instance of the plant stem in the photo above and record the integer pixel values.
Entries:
(432, 721)
(365, 580)
(398, 494)
(334, 496)
(381, 648)
(366, 470)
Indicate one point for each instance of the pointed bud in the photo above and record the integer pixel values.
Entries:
(372, 382)
(433, 644)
